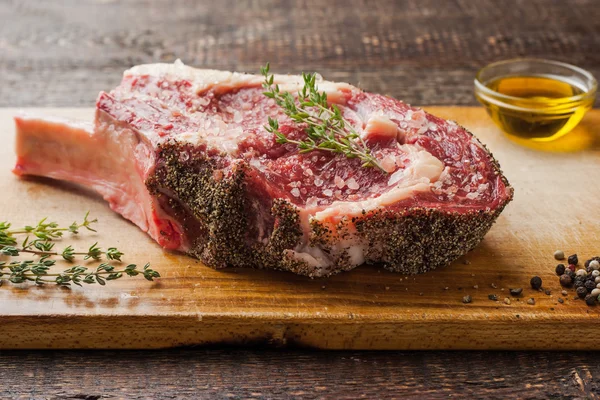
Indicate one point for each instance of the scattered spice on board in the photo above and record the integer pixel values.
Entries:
(573, 259)
(586, 281)
(560, 300)
(467, 299)
(506, 300)
(566, 280)
(516, 292)
(590, 285)
(590, 300)
(548, 292)
(536, 282)
(531, 301)
(593, 263)
(493, 297)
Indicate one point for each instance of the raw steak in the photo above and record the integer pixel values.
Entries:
(183, 153)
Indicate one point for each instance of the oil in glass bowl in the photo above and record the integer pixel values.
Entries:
(535, 99)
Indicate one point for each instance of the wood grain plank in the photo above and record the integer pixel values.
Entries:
(367, 308)
(270, 374)
(423, 51)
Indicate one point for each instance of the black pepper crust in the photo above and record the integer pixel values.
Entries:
(209, 195)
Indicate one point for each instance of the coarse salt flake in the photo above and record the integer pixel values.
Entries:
(339, 182)
(352, 184)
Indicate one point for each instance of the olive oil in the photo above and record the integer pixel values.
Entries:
(536, 107)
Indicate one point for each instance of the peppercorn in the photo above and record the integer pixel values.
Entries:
(516, 292)
(570, 272)
(493, 297)
(536, 282)
(582, 292)
(560, 269)
(573, 259)
(591, 260)
(581, 272)
(531, 301)
(559, 255)
(590, 285)
(572, 267)
(467, 299)
(564, 293)
(548, 292)
(506, 300)
(595, 292)
(594, 264)
(590, 300)
(560, 300)
(578, 283)
(566, 280)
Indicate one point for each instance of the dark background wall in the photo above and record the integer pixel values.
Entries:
(62, 53)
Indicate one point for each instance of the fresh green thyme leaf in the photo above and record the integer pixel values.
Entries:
(94, 252)
(39, 271)
(325, 127)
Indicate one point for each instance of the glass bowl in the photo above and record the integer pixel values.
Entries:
(535, 99)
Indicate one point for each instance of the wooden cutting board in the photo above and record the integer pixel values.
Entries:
(556, 206)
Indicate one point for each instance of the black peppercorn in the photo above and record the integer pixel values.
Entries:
(590, 300)
(516, 292)
(590, 285)
(587, 262)
(536, 282)
(573, 259)
(570, 273)
(566, 280)
(560, 269)
(582, 292)
(493, 297)
(578, 281)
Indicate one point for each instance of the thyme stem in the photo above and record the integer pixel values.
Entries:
(46, 233)
(326, 129)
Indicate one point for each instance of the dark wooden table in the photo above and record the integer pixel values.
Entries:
(426, 52)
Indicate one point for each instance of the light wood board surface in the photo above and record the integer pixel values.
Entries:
(556, 206)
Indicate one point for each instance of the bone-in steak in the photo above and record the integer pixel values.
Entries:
(183, 153)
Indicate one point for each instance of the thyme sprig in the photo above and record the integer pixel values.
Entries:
(326, 129)
(45, 234)
(38, 272)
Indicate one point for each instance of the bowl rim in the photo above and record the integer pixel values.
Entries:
(590, 91)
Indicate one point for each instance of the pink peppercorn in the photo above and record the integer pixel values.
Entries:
(572, 267)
